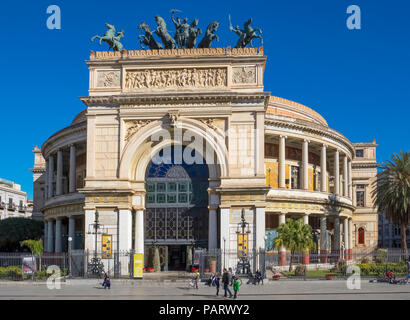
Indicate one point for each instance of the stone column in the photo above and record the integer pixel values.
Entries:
(46, 179)
(305, 164)
(282, 162)
(323, 238)
(346, 237)
(349, 178)
(350, 239)
(282, 250)
(224, 236)
(323, 169)
(58, 244)
(125, 237)
(306, 254)
(71, 233)
(213, 230)
(139, 232)
(345, 177)
(59, 182)
(336, 173)
(51, 177)
(73, 154)
(50, 233)
(336, 242)
(354, 200)
(45, 240)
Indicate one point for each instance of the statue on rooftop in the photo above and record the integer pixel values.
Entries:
(209, 35)
(112, 38)
(182, 29)
(194, 32)
(148, 38)
(162, 32)
(246, 35)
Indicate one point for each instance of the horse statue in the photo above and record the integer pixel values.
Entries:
(194, 32)
(148, 38)
(112, 38)
(162, 32)
(209, 35)
(247, 35)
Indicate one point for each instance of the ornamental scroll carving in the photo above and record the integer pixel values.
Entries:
(108, 79)
(176, 78)
(134, 127)
(244, 75)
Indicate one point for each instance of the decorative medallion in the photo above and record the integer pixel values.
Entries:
(108, 79)
(244, 75)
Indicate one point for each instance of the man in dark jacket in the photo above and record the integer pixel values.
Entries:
(225, 280)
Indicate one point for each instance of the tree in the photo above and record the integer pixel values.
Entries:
(15, 230)
(391, 191)
(295, 236)
(36, 248)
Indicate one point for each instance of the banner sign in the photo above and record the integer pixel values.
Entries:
(107, 246)
(138, 265)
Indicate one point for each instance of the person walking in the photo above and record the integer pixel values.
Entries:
(236, 288)
(217, 285)
(225, 281)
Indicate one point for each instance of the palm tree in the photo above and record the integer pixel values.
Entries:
(36, 248)
(391, 192)
(295, 236)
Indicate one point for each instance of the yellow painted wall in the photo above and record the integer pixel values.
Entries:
(310, 179)
(273, 177)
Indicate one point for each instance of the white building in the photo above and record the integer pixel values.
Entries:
(13, 201)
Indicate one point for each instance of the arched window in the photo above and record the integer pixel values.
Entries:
(361, 236)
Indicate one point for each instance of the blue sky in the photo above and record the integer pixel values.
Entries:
(358, 80)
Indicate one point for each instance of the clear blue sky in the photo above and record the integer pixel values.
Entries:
(358, 80)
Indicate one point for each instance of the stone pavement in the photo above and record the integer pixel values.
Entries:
(281, 290)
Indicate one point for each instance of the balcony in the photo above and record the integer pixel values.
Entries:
(2, 205)
(11, 207)
(22, 209)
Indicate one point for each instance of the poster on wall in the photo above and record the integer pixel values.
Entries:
(107, 246)
(29, 265)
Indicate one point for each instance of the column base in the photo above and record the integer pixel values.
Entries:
(305, 258)
(282, 258)
(323, 256)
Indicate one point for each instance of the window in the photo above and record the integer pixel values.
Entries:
(361, 236)
(359, 153)
(360, 195)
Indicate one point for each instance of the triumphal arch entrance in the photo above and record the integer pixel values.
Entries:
(175, 149)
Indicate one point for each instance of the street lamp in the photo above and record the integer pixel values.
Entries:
(96, 264)
(224, 239)
(69, 256)
(244, 231)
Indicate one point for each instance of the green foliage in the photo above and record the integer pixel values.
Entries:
(392, 191)
(295, 236)
(379, 269)
(300, 271)
(381, 255)
(15, 230)
(35, 246)
(10, 272)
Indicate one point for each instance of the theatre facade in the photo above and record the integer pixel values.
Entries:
(174, 146)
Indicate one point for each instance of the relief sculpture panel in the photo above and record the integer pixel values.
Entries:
(176, 78)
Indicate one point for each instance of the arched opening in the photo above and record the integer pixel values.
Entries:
(176, 217)
(361, 238)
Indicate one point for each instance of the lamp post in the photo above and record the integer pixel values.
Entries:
(96, 265)
(69, 257)
(224, 251)
(244, 231)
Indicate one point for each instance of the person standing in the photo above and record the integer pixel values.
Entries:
(236, 287)
(225, 281)
(217, 285)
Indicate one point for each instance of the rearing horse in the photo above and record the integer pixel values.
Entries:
(162, 32)
(251, 33)
(112, 38)
(209, 35)
(148, 38)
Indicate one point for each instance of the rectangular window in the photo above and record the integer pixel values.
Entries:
(359, 153)
(360, 199)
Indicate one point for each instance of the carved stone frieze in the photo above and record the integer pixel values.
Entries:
(176, 78)
(134, 127)
(108, 79)
(244, 75)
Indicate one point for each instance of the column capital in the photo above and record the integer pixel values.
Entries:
(306, 140)
(283, 136)
(325, 146)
